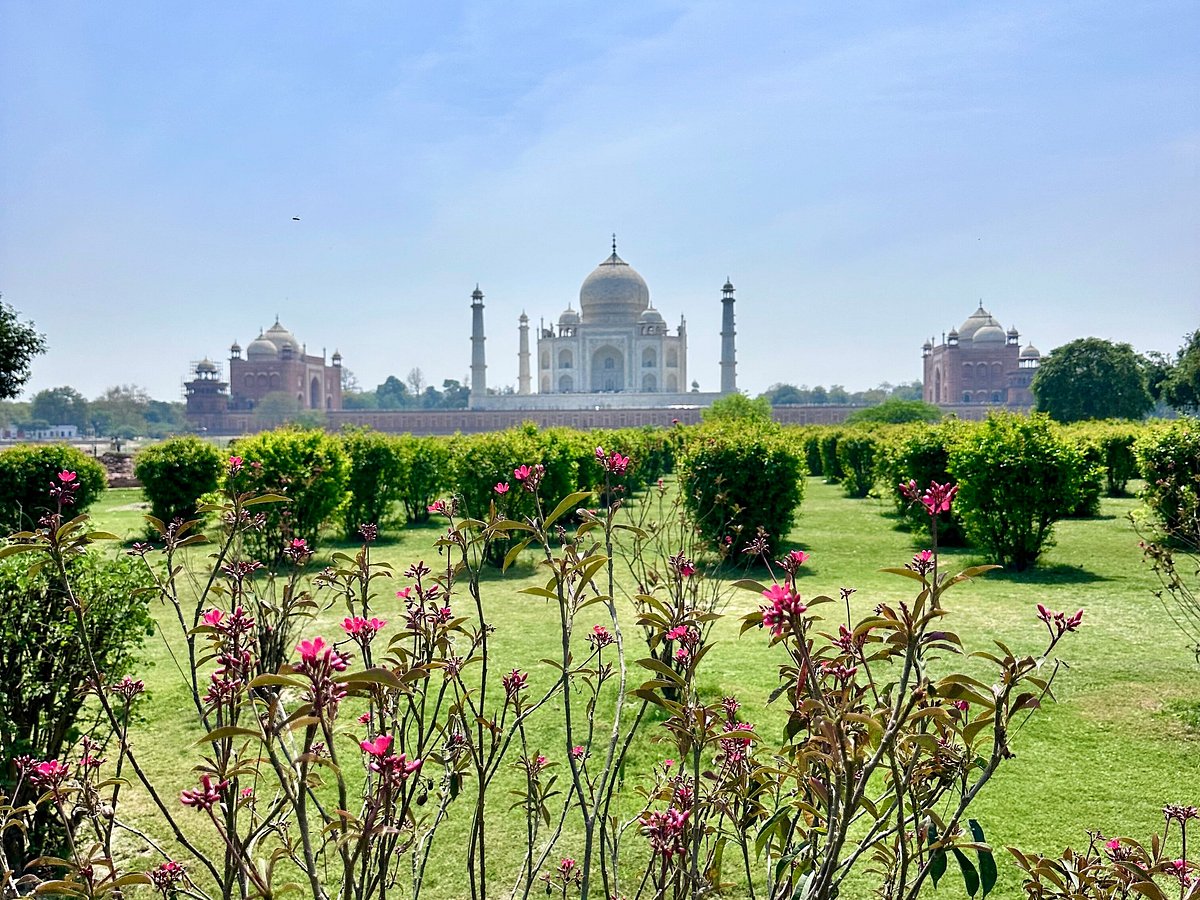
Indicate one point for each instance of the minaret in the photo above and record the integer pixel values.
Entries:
(728, 358)
(523, 357)
(478, 367)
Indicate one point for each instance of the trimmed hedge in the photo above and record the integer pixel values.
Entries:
(176, 473)
(28, 471)
(736, 479)
(1169, 457)
(856, 453)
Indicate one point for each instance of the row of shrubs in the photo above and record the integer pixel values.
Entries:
(1017, 474)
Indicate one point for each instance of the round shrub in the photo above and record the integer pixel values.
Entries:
(1170, 462)
(831, 467)
(1017, 476)
(856, 452)
(26, 475)
(177, 473)
(738, 479)
(921, 453)
(308, 467)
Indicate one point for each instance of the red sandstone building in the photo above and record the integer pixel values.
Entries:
(275, 363)
(980, 364)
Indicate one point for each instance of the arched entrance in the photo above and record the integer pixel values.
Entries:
(608, 370)
(314, 394)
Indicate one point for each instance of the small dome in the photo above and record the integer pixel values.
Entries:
(928, 345)
(235, 347)
(651, 316)
(568, 317)
(1031, 352)
(261, 348)
(206, 366)
(989, 334)
(281, 337)
(953, 335)
(1012, 332)
(977, 320)
(614, 293)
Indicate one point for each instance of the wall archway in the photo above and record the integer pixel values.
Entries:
(314, 394)
(608, 370)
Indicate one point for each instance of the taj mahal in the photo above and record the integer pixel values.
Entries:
(615, 351)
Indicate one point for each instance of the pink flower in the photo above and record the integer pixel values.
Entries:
(247, 793)
(521, 472)
(437, 506)
(1059, 623)
(164, 877)
(66, 477)
(799, 557)
(614, 463)
(403, 594)
(378, 747)
(600, 637)
(359, 627)
(235, 464)
(364, 719)
(961, 705)
(204, 797)
(502, 487)
(677, 633)
(49, 775)
(213, 617)
(785, 607)
(578, 752)
(938, 497)
(514, 682)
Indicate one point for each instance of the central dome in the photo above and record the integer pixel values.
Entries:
(613, 293)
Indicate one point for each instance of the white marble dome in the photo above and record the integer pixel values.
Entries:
(613, 293)
(989, 334)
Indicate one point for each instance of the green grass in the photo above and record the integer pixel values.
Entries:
(1119, 743)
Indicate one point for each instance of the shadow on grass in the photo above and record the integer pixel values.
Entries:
(1058, 573)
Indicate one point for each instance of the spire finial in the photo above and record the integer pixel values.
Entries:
(614, 243)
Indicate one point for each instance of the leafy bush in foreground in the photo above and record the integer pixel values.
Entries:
(1170, 462)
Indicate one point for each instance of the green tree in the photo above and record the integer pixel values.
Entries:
(393, 394)
(896, 411)
(1181, 387)
(20, 342)
(120, 411)
(1091, 378)
(737, 407)
(786, 394)
(60, 406)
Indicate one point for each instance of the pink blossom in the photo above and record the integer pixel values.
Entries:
(437, 506)
(206, 796)
(502, 487)
(364, 719)
(213, 617)
(785, 607)
(578, 752)
(799, 557)
(520, 473)
(665, 831)
(378, 747)
(359, 627)
(165, 876)
(514, 682)
(938, 497)
(235, 464)
(600, 637)
(677, 633)
(403, 594)
(49, 775)
(66, 477)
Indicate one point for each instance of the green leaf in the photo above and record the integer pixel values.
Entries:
(987, 862)
(370, 676)
(749, 584)
(568, 502)
(226, 731)
(970, 876)
(513, 552)
(937, 866)
(276, 681)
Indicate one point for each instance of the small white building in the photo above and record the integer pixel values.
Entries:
(53, 433)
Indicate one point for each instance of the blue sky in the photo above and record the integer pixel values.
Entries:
(865, 173)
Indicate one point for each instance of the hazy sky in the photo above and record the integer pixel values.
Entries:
(865, 173)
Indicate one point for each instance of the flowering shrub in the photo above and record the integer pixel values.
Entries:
(332, 771)
(920, 453)
(1017, 476)
(738, 481)
(175, 474)
(27, 472)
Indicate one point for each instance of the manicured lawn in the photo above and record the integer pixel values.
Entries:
(1107, 756)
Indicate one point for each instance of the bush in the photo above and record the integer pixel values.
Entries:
(1119, 460)
(856, 452)
(831, 468)
(177, 473)
(1088, 504)
(1169, 458)
(375, 478)
(481, 461)
(920, 453)
(737, 479)
(43, 670)
(310, 468)
(1017, 476)
(810, 440)
(427, 472)
(27, 473)
(894, 411)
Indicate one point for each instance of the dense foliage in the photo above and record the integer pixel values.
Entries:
(20, 342)
(857, 450)
(1092, 378)
(44, 673)
(896, 412)
(921, 454)
(309, 469)
(176, 474)
(1170, 461)
(28, 471)
(1017, 476)
(376, 480)
(739, 481)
